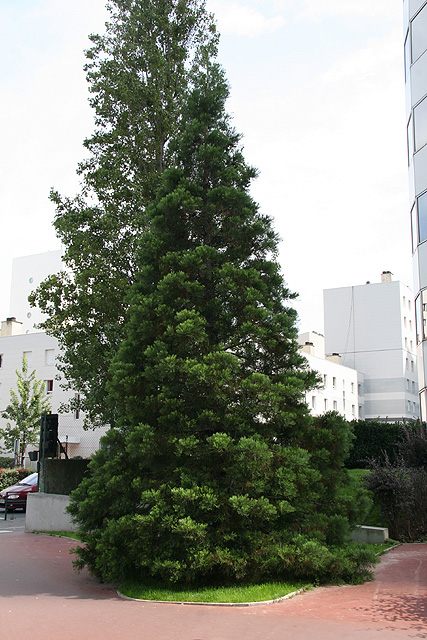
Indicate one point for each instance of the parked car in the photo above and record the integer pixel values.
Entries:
(17, 494)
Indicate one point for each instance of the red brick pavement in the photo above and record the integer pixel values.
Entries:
(41, 598)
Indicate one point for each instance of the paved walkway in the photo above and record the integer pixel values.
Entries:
(43, 599)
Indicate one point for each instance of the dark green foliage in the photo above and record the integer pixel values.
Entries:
(216, 472)
(7, 463)
(374, 440)
(63, 476)
(138, 74)
(400, 487)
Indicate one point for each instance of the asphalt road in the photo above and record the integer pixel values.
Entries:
(43, 598)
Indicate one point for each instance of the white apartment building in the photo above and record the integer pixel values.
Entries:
(27, 273)
(342, 386)
(415, 30)
(372, 327)
(41, 351)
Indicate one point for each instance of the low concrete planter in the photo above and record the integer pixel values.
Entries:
(371, 535)
(46, 512)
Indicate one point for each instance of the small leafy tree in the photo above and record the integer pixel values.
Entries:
(25, 409)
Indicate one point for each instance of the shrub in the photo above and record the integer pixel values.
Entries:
(375, 440)
(401, 491)
(7, 463)
(8, 477)
(400, 486)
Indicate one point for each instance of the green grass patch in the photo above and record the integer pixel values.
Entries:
(63, 534)
(234, 594)
(384, 546)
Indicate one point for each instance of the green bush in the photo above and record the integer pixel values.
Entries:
(8, 477)
(400, 486)
(7, 463)
(375, 440)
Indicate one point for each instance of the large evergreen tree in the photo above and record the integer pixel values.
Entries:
(138, 73)
(216, 470)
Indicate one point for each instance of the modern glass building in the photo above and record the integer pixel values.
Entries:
(415, 25)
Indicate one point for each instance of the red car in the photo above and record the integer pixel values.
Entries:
(17, 493)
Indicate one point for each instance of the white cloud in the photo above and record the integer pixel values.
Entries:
(320, 8)
(242, 20)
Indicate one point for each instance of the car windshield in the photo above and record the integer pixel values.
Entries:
(29, 480)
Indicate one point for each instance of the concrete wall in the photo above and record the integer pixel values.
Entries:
(46, 512)
(372, 326)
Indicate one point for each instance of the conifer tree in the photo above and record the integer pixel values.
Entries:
(216, 471)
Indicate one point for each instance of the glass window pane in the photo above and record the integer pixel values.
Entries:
(419, 34)
(422, 217)
(414, 228)
(407, 56)
(410, 140)
(420, 121)
(421, 316)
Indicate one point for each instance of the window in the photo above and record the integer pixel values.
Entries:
(409, 407)
(409, 305)
(49, 386)
(414, 228)
(410, 140)
(28, 355)
(334, 382)
(1, 360)
(413, 386)
(418, 34)
(49, 357)
(335, 405)
(313, 402)
(407, 51)
(404, 322)
(326, 404)
(420, 123)
(410, 325)
(353, 410)
(77, 411)
(325, 380)
(352, 387)
(421, 316)
(407, 363)
(407, 384)
(412, 365)
(422, 217)
(406, 343)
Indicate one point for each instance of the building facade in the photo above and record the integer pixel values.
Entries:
(372, 327)
(341, 387)
(415, 29)
(27, 273)
(41, 352)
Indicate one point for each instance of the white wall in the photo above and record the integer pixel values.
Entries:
(340, 386)
(373, 327)
(27, 273)
(41, 351)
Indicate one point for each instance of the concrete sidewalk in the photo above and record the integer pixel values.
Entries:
(42, 598)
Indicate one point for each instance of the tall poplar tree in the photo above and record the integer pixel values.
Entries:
(216, 471)
(138, 74)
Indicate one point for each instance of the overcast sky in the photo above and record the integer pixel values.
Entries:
(317, 90)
